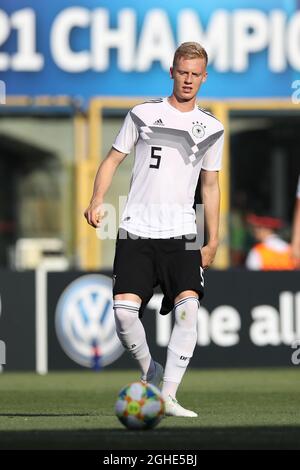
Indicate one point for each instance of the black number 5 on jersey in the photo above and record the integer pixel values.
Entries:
(157, 157)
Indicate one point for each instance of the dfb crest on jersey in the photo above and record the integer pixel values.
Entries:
(198, 130)
(84, 322)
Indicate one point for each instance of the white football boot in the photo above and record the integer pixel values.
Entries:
(156, 378)
(172, 408)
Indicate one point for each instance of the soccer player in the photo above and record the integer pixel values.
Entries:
(296, 229)
(174, 140)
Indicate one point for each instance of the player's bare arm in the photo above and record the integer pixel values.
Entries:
(106, 170)
(296, 235)
(211, 200)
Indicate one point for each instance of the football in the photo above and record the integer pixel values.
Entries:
(140, 406)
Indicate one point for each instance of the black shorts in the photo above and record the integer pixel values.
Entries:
(141, 264)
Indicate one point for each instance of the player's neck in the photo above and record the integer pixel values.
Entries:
(181, 105)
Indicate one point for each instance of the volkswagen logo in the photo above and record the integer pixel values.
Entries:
(84, 322)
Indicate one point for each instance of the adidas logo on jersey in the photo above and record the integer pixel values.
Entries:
(158, 122)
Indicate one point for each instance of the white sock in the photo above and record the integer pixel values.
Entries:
(181, 345)
(131, 333)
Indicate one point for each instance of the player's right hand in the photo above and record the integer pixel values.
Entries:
(94, 213)
(208, 253)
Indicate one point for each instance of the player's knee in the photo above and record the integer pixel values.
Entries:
(186, 313)
(187, 294)
(130, 297)
(125, 316)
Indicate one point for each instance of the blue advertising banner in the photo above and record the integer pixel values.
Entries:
(125, 47)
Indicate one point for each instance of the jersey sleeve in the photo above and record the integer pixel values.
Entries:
(298, 189)
(127, 136)
(212, 160)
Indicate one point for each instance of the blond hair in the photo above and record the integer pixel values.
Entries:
(190, 50)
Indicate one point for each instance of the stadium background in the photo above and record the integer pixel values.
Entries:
(71, 71)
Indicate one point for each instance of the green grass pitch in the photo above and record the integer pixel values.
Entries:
(242, 408)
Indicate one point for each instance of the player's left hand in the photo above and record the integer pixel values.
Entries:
(208, 254)
(296, 261)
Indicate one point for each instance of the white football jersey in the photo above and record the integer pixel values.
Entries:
(171, 147)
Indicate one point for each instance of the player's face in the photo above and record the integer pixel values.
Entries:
(188, 76)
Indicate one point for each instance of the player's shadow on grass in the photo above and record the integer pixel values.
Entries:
(164, 438)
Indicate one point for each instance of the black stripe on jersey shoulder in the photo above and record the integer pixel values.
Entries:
(208, 113)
